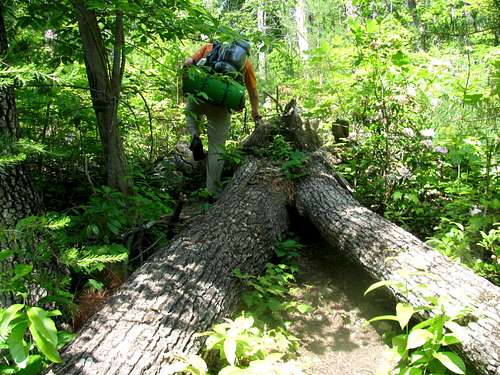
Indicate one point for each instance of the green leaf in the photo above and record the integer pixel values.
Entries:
(371, 26)
(381, 284)
(22, 270)
(9, 314)
(230, 350)
(64, 337)
(34, 367)
(400, 59)
(472, 98)
(274, 304)
(424, 324)
(212, 341)
(417, 357)
(451, 361)
(4, 254)
(197, 365)
(44, 333)
(399, 342)
(304, 308)
(383, 317)
(39, 319)
(450, 339)
(18, 348)
(404, 313)
(232, 370)
(412, 371)
(397, 195)
(418, 337)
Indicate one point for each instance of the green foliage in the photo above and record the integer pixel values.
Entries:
(460, 243)
(419, 350)
(419, 86)
(231, 154)
(293, 161)
(46, 247)
(244, 348)
(29, 339)
(293, 167)
(270, 297)
(246, 345)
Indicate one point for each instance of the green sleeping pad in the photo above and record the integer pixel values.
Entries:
(219, 90)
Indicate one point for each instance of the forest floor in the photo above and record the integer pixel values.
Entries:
(335, 336)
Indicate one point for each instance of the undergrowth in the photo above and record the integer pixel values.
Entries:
(258, 340)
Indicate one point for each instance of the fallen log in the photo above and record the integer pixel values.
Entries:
(185, 288)
(384, 249)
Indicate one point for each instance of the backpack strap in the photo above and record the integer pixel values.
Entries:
(214, 55)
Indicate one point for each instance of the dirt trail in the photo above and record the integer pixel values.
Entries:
(335, 338)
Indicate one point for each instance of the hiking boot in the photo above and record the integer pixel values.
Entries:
(196, 148)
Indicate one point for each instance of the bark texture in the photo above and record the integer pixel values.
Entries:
(17, 195)
(186, 287)
(385, 249)
(105, 79)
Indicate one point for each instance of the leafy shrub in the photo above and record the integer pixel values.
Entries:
(244, 348)
(419, 349)
(29, 357)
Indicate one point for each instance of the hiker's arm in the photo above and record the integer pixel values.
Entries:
(198, 55)
(251, 84)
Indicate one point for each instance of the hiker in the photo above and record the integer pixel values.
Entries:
(225, 58)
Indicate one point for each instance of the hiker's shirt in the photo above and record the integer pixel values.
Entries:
(248, 72)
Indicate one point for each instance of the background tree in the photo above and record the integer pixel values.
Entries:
(17, 195)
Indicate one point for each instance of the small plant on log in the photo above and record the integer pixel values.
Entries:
(231, 154)
(293, 161)
(271, 295)
(418, 351)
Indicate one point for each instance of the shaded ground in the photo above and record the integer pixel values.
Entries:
(335, 337)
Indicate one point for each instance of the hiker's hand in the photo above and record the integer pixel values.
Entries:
(188, 62)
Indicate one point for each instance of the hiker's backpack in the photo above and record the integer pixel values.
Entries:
(218, 78)
(228, 58)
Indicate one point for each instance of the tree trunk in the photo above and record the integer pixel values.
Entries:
(17, 195)
(384, 250)
(300, 19)
(188, 286)
(105, 86)
(412, 7)
(261, 25)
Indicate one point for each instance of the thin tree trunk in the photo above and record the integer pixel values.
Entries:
(300, 19)
(187, 287)
(105, 86)
(261, 25)
(412, 7)
(385, 250)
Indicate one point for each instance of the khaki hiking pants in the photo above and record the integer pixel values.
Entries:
(219, 121)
